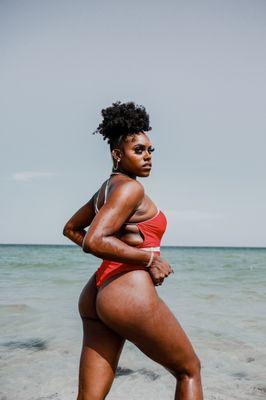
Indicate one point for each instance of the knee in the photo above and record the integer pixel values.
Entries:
(92, 393)
(197, 365)
(91, 396)
(190, 369)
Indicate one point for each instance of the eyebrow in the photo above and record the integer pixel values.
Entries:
(142, 145)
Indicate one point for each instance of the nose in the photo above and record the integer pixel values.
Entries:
(147, 155)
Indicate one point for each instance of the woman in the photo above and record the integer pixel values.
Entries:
(120, 301)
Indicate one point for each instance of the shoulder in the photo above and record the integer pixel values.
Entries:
(125, 193)
(129, 188)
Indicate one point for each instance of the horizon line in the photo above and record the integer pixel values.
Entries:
(180, 246)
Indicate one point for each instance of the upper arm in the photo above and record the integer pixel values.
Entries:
(121, 203)
(83, 217)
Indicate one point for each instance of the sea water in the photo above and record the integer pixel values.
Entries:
(217, 294)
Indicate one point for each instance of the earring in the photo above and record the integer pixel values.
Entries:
(115, 168)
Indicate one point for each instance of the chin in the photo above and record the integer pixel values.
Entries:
(145, 173)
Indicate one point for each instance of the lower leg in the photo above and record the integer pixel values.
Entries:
(188, 386)
(89, 388)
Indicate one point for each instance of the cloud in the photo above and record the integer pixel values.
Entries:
(193, 215)
(28, 176)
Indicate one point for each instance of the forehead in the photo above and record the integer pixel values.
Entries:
(137, 139)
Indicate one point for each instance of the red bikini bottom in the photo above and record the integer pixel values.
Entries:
(110, 268)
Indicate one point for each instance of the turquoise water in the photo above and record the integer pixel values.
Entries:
(217, 294)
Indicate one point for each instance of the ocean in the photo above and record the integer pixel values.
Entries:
(217, 294)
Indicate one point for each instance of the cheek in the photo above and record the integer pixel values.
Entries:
(138, 158)
(134, 158)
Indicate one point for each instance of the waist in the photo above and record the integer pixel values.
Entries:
(110, 268)
(106, 262)
(157, 248)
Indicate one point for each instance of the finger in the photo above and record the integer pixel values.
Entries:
(169, 269)
(156, 278)
(166, 270)
(159, 279)
(158, 275)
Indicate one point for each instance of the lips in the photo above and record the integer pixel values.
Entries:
(147, 166)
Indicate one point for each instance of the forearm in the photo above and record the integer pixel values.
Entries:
(111, 248)
(75, 235)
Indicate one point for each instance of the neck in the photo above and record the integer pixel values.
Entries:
(123, 173)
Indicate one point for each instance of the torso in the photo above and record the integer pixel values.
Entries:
(129, 233)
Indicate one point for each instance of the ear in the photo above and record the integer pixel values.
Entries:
(116, 153)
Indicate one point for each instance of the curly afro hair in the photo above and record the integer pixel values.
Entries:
(121, 120)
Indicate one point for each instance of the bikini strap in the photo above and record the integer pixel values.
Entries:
(105, 196)
(95, 204)
(106, 189)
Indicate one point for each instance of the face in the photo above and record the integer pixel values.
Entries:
(136, 155)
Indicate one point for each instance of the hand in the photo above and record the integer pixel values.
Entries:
(159, 270)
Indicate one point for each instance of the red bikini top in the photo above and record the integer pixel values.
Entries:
(152, 229)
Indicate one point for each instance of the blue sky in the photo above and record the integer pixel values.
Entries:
(199, 68)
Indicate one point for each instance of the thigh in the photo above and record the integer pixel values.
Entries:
(101, 346)
(131, 306)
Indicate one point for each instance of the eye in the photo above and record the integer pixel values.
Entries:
(139, 150)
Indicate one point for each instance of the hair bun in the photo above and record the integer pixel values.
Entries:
(122, 119)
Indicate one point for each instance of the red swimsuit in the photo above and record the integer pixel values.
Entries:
(152, 230)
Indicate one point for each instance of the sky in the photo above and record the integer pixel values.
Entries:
(198, 67)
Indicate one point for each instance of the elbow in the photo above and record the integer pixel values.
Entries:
(91, 245)
(86, 247)
(66, 230)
